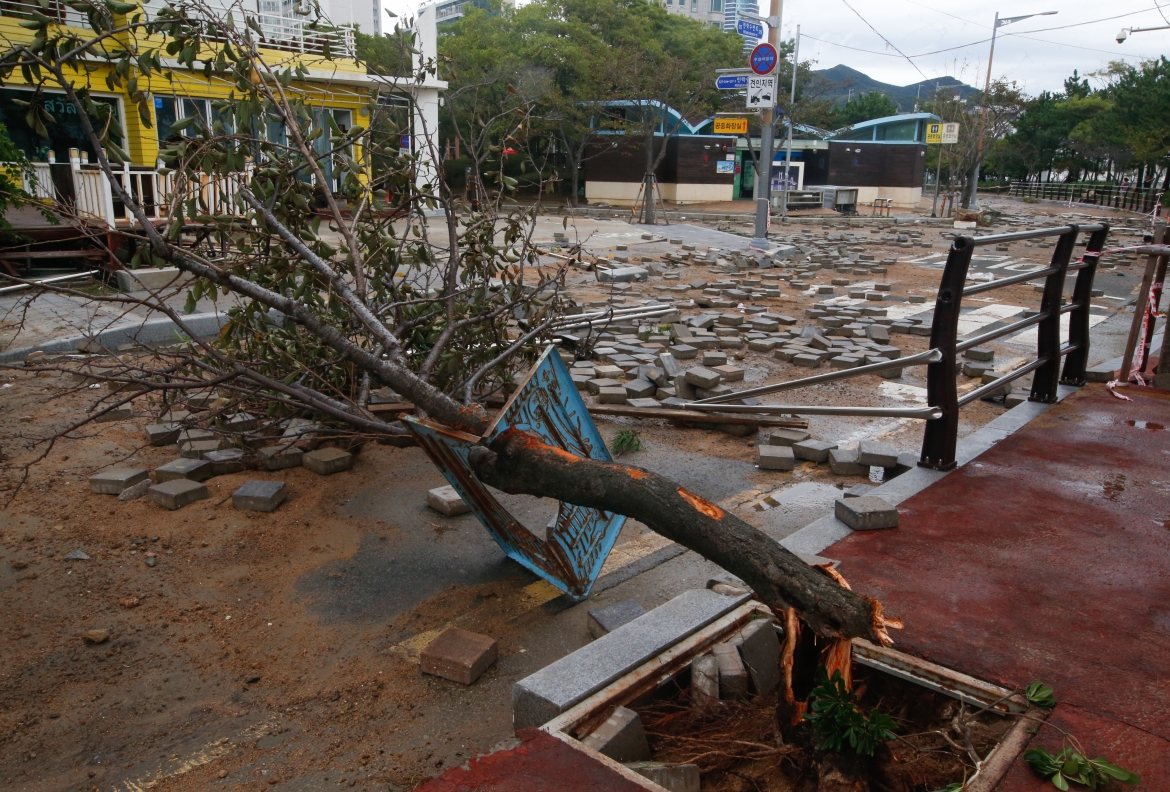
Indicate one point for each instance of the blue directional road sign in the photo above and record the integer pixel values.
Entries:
(749, 29)
(732, 82)
(764, 58)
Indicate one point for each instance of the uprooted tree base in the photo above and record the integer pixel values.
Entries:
(742, 746)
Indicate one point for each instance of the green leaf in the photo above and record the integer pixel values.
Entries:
(1059, 782)
(1040, 694)
(189, 306)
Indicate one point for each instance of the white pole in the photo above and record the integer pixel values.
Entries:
(791, 104)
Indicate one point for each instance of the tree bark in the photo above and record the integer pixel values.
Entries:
(519, 463)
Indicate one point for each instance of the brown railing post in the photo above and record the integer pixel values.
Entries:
(938, 444)
(1045, 379)
(1078, 320)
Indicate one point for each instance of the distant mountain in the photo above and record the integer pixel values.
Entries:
(845, 79)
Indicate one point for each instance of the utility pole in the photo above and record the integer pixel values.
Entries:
(791, 104)
(986, 90)
(767, 140)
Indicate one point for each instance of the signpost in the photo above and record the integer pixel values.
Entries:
(732, 82)
(761, 92)
(730, 126)
(749, 29)
(942, 135)
(764, 58)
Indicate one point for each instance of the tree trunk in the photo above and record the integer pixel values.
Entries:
(519, 463)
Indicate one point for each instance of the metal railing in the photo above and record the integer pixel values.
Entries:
(1114, 196)
(53, 9)
(294, 35)
(941, 359)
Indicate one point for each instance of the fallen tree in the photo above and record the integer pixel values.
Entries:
(316, 320)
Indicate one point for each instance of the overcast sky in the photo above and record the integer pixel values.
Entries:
(1038, 53)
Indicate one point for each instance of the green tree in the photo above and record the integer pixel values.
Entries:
(865, 107)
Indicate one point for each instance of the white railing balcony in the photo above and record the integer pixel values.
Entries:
(57, 11)
(294, 35)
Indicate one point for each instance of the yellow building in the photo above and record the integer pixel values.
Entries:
(337, 85)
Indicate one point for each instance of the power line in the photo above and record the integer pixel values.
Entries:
(883, 38)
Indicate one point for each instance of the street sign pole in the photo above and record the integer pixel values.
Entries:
(791, 104)
(764, 201)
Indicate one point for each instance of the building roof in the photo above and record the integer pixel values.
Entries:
(891, 119)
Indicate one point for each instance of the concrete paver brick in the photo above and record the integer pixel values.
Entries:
(843, 462)
(259, 495)
(183, 468)
(704, 680)
(228, 460)
(671, 777)
(868, 512)
(813, 450)
(787, 437)
(608, 618)
(702, 377)
(112, 481)
(733, 675)
(281, 456)
(327, 461)
(759, 646)
(621, 737)
(177, 493)
(776, 457)
(459, 655)
(162, 434)
(445, 500)
(877, 453)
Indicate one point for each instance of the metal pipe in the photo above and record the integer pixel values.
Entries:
(1021, 278)
(921, 359)
(1015, 236)
(925, 413)
(1071, 307)
(607, 317)
(979, 393)
(54, 279)
(1005, 330)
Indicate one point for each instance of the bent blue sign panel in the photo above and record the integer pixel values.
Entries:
(571, 552)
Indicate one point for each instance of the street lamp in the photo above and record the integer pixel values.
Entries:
(1124, 34)
(986, 89)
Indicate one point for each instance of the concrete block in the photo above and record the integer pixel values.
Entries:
(806, 361)
(229, 460)
(976, 369)
(776, 457)
(866, 513)
(191, 469)
(116, 414)
(1014, 399)
(327, 461)
(787, 437)
(458, 655)
(608, 618)
(595, 385)
(198, 449)
(671, 777)
(877, 453)
(612, 395)
(684, 351)
(703, 377)
(813, 450)
(280, 457)
(163, 434)
(640, 389)
(730, 373)
(713, 358)
(177, 493)
(445, 500)
(257, 495)
(733, 676)
(979, 353)
(669, 366)
(759, 647)
(623, 275)
(152, 279)
(621, 737)
(704, 680)
(878, 333)
(112, 481)
(857, 490)
(844, 463)
(557, 687)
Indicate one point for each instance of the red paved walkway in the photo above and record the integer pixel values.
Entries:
(1048, 557)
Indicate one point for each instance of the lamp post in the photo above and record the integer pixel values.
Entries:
(987, 89)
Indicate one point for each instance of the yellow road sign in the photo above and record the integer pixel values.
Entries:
(730, 126)
(942, 133)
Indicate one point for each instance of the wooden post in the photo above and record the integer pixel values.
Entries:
(1139, 308)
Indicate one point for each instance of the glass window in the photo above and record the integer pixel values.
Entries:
(165, 114)
(866, 133)
(694, 5)
(717, 6)
(901, 130)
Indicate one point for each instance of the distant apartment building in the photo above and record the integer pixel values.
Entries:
(277, 17)
(709, 11)
(450, 11)
(730, 12)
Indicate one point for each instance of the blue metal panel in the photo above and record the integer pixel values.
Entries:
(546, 404)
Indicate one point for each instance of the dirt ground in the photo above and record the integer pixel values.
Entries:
(231, 662)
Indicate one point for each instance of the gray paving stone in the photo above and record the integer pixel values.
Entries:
(733, 675)
(621, 737)
(787, 437)
(623, 275)
(280, 457)
(704, 680)
(702, 377)
(162, 434)
(177, 493)
(199, 449)
(671, 777)
(183, 468)
(759, 646)
(640, 389)
(229, 460)
(813, 450)
(538, 698)
(327, 461)
(844, 463)
(857, 490)
(446, 500)
(612, 395)
(776, 457)
(877, 453)
(112, 481)
(608, 618)
(647, 403)
(979, 353)
(259, 495)
(866, 513)
(806, 361)
(684, 351)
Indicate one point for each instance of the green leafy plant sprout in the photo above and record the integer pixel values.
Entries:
(1069, 765)
(1040, 694)
(839, 721)
(627, 441)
